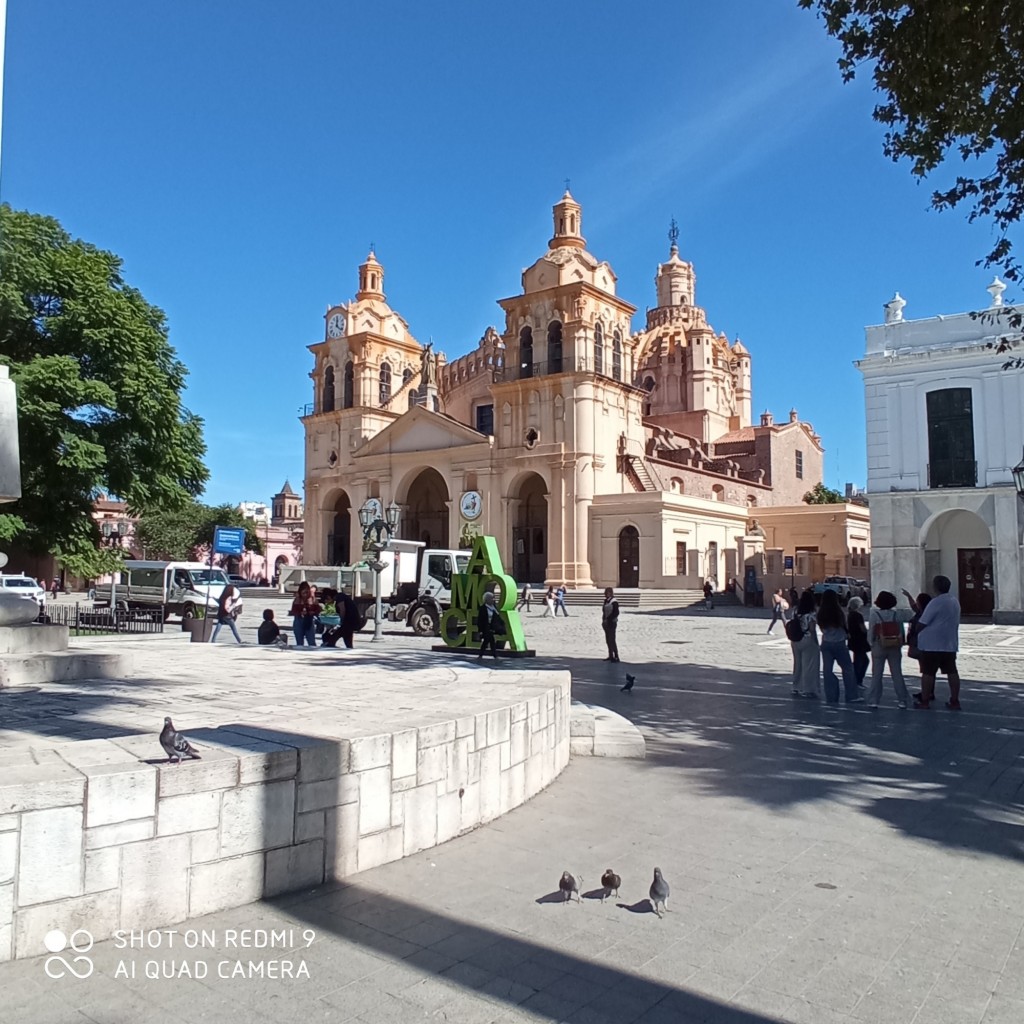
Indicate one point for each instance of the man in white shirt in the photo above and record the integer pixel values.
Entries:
(938, 640)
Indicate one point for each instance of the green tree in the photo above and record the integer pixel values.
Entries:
(99, 393)
(951, 76)
(186, 532)
(819, 494)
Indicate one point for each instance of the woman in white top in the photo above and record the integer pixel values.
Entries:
(229, 607)
(886, 632)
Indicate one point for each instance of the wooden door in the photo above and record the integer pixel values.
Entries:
(629, 557)
(974, 571)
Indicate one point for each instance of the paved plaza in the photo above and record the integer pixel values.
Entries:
(826, 864)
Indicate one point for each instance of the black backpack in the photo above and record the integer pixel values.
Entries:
(331, 636)
(794, 630)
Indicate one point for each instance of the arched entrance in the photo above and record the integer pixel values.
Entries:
(530, 531)
(425, 516)
(958, 544)
(339, 532)
(629, 557)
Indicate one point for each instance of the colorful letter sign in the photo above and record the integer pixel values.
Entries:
(458, 624)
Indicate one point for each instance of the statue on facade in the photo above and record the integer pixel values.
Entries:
(428, 366)
(755, 529)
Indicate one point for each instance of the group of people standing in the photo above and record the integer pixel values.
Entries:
(827, 636)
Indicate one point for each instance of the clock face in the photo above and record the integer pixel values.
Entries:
(336, 326)
(471, 505)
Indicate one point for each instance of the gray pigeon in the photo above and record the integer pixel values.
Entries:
(569, 885)
(659, 892)
(175, 745)
(610, 881)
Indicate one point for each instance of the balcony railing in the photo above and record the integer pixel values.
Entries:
(953, 473)
(525, 371)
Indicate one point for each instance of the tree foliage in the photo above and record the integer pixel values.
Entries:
(99, 393)
(186, 533)
(819, 494)
(951, 74)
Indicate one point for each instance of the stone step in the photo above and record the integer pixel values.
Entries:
(595, 731)
(34, 669)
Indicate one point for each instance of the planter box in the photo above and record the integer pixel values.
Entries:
(201, 629)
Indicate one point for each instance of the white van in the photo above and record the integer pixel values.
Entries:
(182, 587)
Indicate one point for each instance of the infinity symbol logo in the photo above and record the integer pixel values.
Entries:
(79, 966)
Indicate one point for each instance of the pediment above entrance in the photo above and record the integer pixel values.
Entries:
(421, 430)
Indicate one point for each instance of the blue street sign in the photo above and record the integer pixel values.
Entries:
(788, 562)
(228, 540)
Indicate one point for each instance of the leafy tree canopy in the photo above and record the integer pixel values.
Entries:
(819, 494)
(951, 74)
(99, 393)
(186, 533)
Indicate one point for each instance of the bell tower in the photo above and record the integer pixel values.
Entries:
(371, 278)
(568, 223)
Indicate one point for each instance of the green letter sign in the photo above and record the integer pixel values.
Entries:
(458, 624)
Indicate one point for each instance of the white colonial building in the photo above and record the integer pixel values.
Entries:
(945, 426)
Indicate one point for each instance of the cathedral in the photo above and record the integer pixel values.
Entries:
(597, 455)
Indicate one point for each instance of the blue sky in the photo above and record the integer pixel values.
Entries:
(241, 156)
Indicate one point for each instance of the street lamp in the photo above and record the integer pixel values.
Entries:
(384, 529)
(1018, 478)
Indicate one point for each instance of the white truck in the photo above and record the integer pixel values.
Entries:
(415, 584)
(182, 588)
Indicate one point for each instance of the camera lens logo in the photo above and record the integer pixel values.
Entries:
(57, 942)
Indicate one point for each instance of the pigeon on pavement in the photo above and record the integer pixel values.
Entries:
(569, 885)
(630, 680)
(175, 745)
(659, 892)
(610, 881)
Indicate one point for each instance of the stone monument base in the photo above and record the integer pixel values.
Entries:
(472, 652)
(33, 638)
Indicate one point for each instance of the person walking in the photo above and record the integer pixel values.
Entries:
(549, 603)
(803, 639)
(229, 607)
(779, 608)
(709, 592)
(885, 629)
(857, 640)
(610, 623)
(488, 622)
(524, 598)
(560, 600)
(304, 611)
(938, 640)
(832, 623)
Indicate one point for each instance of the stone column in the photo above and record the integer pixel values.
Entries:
(10, 460)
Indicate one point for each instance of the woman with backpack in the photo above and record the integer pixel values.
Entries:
(832, 623)
(885, 627)
(803, 638)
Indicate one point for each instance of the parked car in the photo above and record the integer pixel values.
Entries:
(241, 581)
(844, 586)
(24, 585)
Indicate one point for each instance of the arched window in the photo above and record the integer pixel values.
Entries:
(617, 355)
(327, 397)
(555, 346)
(413, 399)
(406, 376)
(598, 349)
(526, 353)
(718, 492)
(385, 383)
(649, 384)
(347, 386)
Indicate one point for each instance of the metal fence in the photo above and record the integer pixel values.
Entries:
(82, 618)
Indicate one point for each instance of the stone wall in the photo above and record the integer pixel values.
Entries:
(96, 836)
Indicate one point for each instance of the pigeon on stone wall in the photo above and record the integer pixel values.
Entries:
(568, 885)
(630, 680)
(610, 881)
(659, 892)
(175, 745)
